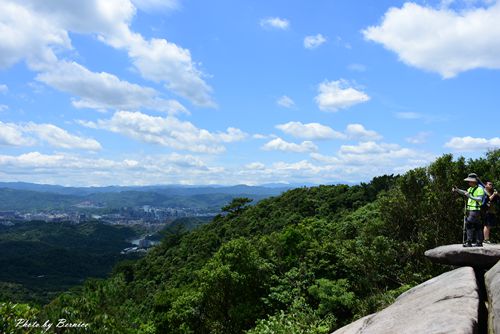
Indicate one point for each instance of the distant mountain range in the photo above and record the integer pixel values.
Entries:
(31, 196)
(271, 188)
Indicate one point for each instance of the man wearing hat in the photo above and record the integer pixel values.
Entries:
(473, 224)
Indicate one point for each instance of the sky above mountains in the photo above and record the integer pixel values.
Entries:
(121, 92)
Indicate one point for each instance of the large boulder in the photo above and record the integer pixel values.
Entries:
(448, 303)
(457, 255)
(492, 282)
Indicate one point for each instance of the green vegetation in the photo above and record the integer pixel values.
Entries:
(308, 261)
(40, 260)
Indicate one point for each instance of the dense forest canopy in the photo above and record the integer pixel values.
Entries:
(308, 261)
(39, 260)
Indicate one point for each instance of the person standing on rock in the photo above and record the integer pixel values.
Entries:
(473, 224)
(490, 214)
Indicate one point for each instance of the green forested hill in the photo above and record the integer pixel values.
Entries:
(308, 261)
(38, 260)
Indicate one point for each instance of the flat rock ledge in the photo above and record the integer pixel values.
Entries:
(444, 304)
(492, 282)
(457, 255)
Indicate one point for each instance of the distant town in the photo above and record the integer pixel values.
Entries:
(88, 211)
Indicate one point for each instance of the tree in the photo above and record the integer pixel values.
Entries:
(237, 205)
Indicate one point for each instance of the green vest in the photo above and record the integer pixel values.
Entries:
(473, 205)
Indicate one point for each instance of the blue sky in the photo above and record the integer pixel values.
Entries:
(226, 92)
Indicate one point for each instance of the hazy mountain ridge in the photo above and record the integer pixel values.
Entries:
(29, 196)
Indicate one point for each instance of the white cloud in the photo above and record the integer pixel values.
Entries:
(375, 158)
(419, 138)
(311, 131)
(35, 30)
(336, 95)
(255, 166)
(468, 143)
(317, 131)
(312, 42)
(358, 131)
(275, 22)
(259, 136)
(352, 163)
(61, 138)
(162, 61)
(71, 169)
(4, 88)
(285, 102)
(3, 107)
(104, 90)
(167, 131)
(12, 135)
(279, 144)
(440, 39)
(374, 148)
(25, 35)
(24, 135)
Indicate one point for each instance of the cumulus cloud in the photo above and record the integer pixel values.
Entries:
(4, 88)
(359, 132)
(351, 163)
(317, 131)
(12, 135)
(255, 166)
(468, 143)
(104, 90)
(279, 144)
(285, 102)
(313, 41)
(441, 40)
(57, 137)
(162, 61)
(72, 169)
(311, 131)
(373, 148)
(167, 131)
(27, 134)
(25, 35)
(371, 155)
(275, 22)
(336, 95)
(34, 30)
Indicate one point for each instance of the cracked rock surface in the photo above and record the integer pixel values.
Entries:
(492, 281)
(447, 303)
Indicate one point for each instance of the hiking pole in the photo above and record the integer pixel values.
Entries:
(462, 192)
(464, 232)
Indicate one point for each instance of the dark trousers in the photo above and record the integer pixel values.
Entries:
(474, 227)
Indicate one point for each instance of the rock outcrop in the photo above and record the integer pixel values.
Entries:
(457, 255)
(448, 303)
(492, 281)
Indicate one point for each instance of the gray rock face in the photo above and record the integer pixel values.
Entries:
(445, 304)
(492, 281)
(457, 255)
